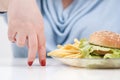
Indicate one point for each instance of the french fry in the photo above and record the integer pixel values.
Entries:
(73, 56)
(59, 53)
(70, 47)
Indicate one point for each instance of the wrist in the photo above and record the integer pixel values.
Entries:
(21, 1)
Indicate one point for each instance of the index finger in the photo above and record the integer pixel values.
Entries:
(33, 46)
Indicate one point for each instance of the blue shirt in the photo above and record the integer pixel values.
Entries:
(78, 20)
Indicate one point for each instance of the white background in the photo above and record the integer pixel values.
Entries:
(5, 45)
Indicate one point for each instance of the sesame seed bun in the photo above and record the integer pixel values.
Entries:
(105, 38)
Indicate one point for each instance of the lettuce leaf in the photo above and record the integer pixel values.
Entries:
(86, 49)
(115, 54)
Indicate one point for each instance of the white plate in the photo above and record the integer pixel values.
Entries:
(91, 63)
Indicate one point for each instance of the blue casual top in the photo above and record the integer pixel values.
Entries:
(78, 20)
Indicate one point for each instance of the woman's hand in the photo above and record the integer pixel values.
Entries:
(26, 24)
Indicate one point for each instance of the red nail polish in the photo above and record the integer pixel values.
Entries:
(30, 63)
(43, 63)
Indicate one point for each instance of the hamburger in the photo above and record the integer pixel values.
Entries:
(101, 44)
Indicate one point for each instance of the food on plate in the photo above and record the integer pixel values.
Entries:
(101, 44)
(67, 51)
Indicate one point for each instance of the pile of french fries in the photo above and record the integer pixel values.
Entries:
(67, 51)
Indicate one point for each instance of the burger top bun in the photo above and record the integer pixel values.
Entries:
(105, 38)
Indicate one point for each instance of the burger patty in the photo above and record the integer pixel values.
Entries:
(101, 52)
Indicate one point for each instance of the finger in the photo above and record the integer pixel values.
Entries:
(21, 39)
(42, 56)
(11, 35)
(41, 49)
(32, 42)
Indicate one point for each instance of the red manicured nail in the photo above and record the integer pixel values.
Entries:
(30, 63)
(43, 63)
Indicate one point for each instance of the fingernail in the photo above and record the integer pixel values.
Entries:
(30, 63)
(43, 63)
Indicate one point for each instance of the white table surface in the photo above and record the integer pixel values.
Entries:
(17, 69)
